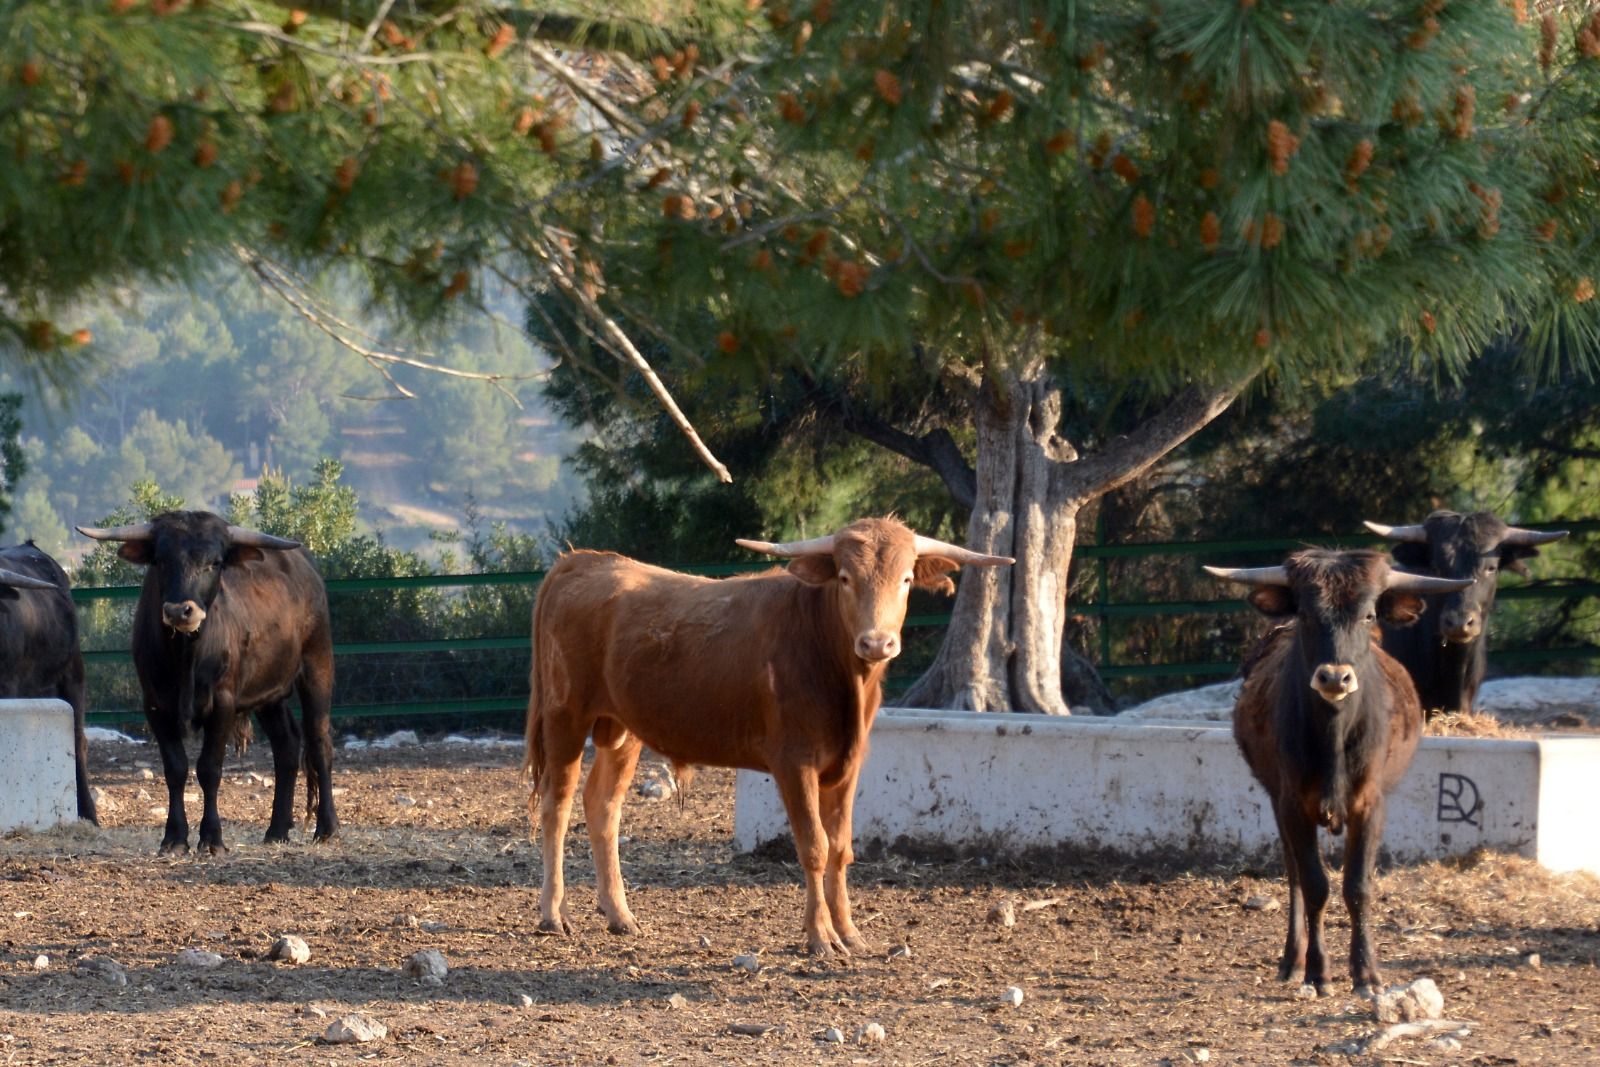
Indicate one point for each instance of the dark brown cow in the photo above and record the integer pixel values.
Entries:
(39, 653)
(778, 672)
(1328, 723)
(231, 621)
(1447, 653)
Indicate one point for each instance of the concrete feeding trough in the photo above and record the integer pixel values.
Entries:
(38, 789)
(1009, 783)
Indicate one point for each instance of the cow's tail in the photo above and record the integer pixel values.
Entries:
(533, 730)
(308, 767)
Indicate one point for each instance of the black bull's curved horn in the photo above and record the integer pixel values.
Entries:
(1516, 535)
(243, 535)
(23, 581)
(138, 532)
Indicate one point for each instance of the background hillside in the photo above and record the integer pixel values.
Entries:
(200, 393)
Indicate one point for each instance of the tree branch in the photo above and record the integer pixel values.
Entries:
(1125, 458)
(936, 449)
(623, 347)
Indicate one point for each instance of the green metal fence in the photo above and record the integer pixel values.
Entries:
(499, 661)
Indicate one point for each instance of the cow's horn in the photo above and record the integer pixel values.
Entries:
(1516, 535)
(1252, 575)
(23, 581)
(1417, 535)
(139, 532)
(817, 546)
(1406, 582)
(932, 546)
(243, 535)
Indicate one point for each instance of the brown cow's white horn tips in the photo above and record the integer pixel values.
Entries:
(1251, 575)
(932, 546)
(243, 535)
(1516, 535)
(137, 532)
(816, 546)
(23, 581)
(1406, 582)
(1414, 534)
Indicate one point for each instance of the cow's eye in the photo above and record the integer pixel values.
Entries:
(844, 579)
(906, 580)
(1372, 616)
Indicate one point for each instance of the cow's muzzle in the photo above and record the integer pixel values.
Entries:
(875, 646)
(1460, 627)
(1334, 681)
(184, 616)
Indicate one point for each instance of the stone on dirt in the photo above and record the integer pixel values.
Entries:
(1262, 902)
(751, 1029)
(677, 1001)
(1533, 960)
(109, 970)
(1013, 996)
(354, 1030)
(832, 1036)
(747, 962)
(899, 951)
(1003, 914)
(41, 963)
(427, 963)
(870, 1034)
(654, 789)
(199, 958)
(524, 1001)
(1408, 1003)
(291, 949)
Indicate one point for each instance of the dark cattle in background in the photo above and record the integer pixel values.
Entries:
(1328, 723)
(1448, 651)
(229, 621)
(779, 672)
(39, 653)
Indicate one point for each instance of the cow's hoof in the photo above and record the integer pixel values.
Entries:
(1292, 972)
(858, 945)
(212, 848)
(1365, 990)
(822, 948)
(276, 837)
(169, 848)
(553, 927)
(626, 927)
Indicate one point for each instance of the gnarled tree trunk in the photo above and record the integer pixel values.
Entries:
(1003, 648)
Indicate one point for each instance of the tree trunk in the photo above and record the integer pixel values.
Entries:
(1003, 648)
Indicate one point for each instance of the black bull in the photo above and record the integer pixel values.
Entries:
(1447, 652)
(39, 653)
(229, 621)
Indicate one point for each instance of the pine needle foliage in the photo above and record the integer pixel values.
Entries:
(1162, 193)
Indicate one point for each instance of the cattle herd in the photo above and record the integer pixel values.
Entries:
(779, 672)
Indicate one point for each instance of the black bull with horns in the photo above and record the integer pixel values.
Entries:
(39, 653)
(1328, 723)
(1447, 652)
(229, 621)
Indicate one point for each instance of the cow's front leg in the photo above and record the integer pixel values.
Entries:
(168, 731)
(208, 769)
(838, 805)
(799, 789)
(603, 795)
(1360, 857)
(1300, 840)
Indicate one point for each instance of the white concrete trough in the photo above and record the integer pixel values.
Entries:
(38, 789)
(1009, 783)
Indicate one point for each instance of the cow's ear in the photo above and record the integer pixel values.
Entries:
(1273, 601)
(1401, 609)
(1413, 556)
(238, 554)
(930, 573)
(1511, 557)
(141, 552)
(814, 569)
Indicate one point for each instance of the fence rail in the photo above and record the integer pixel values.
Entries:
(1103, 608)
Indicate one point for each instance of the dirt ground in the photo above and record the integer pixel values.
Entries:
(1128, 963)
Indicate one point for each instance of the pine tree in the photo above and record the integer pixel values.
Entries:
(1010, 205)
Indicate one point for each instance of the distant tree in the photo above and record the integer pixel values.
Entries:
(13, 459)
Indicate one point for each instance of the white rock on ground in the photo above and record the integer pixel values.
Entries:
(747, 963)
(199, 958)
(427, 963)
(1003, 914)
(832, 1036)
(1409, 1003)
(290, 949)
(870, 1034)
(355, 1029)
(100, 735)
(1013, 996)
(41, 963)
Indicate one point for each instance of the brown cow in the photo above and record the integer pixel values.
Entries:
(1328, 723)
(778, 672)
